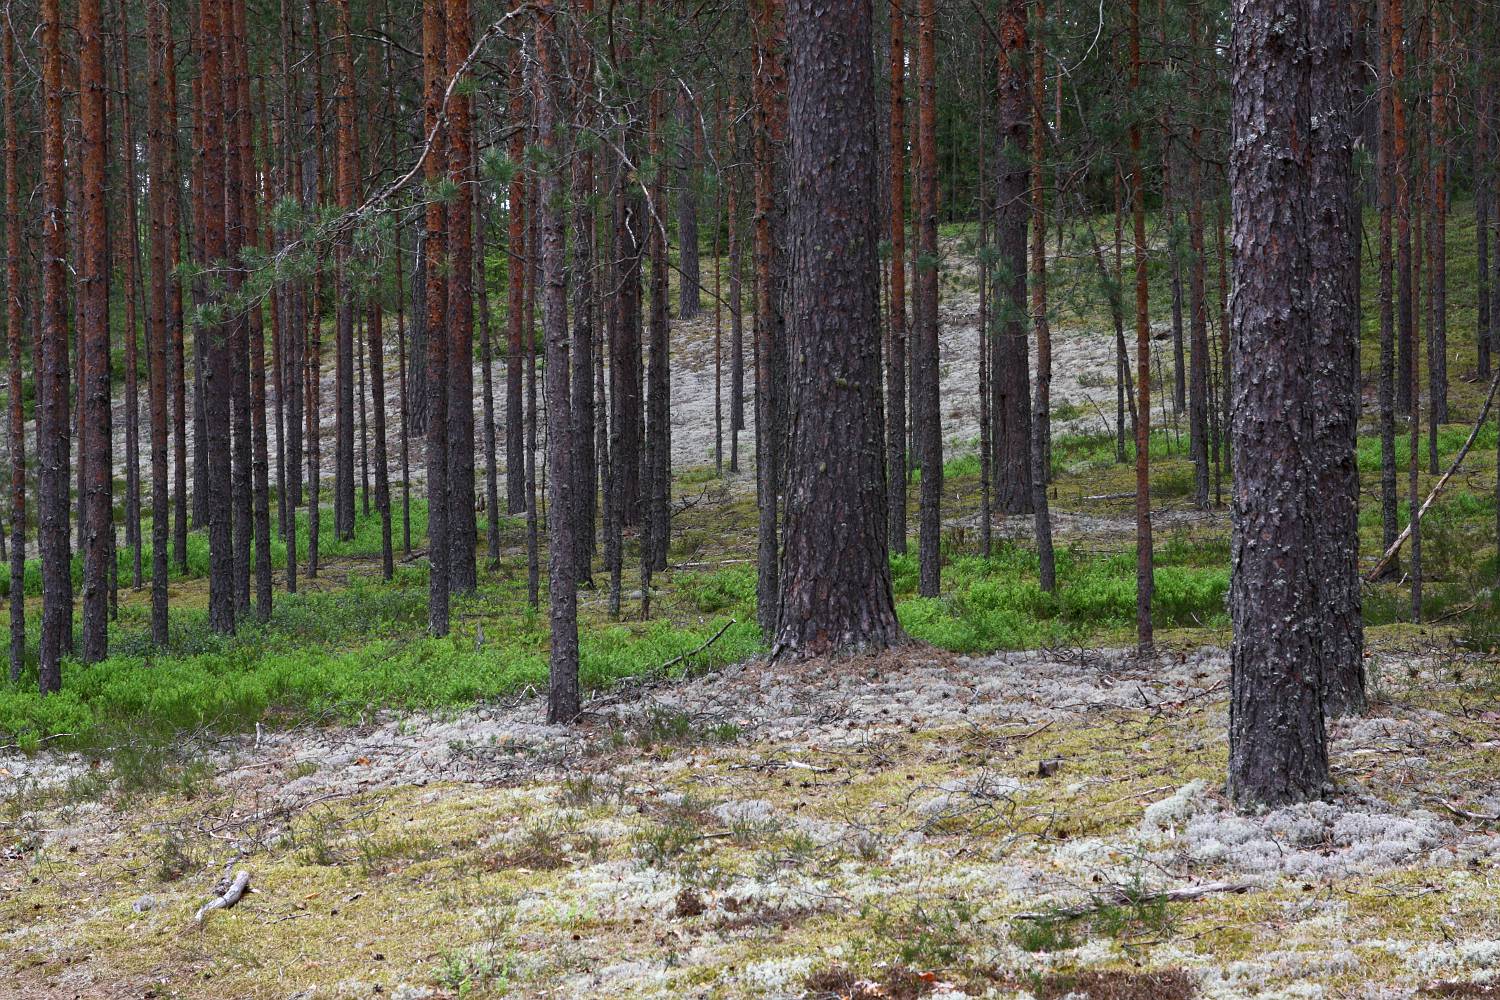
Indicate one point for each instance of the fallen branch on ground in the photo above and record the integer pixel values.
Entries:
(231, 896)
(1390, 553)
(694, 652)
(1117, 896)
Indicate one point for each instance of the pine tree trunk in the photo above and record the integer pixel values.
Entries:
(1387, 166)
(93, 335)
(235, 232)
(1010, 367)
(256, 340)
(170, 181)
(1145, 581)
(486, 368)
(927, 414)
(1198, 381)
(515, 428)
(219, 372)
(689, 152)
(836, 593)
(895, 365)
(1041, 419)
(462, 525)
(582, 351)
(156, 327)
(767, 86)
(1277, 749)
(435, 168)
(564, 508)
(736, 305)
(1333, 237)
(659, 382)
(15, 333)
(315, 181)
(131, 342)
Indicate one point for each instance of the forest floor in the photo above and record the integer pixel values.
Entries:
(1029, 824)
(1015, 806)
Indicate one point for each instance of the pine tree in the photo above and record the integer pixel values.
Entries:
(836, 589)
(1277, 744)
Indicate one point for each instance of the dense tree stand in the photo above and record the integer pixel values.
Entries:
(835, 579)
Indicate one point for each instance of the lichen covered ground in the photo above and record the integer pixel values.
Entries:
(904, 825)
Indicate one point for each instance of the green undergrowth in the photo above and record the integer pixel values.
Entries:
(997, 603)
(337, 655)
(346, 652)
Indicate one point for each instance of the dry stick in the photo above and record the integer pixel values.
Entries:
(1115, 896)
(1463, 452)
(694, 652)
(231, 896)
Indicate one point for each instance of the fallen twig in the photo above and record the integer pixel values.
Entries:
(1116, 895)
(1465, 814)
(231, 896)
(694, 652)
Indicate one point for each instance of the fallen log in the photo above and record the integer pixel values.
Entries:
(236, 891)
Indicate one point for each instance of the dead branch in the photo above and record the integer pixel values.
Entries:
(694, 652)
(231, 896)
(1458, 459)
(1117, 895)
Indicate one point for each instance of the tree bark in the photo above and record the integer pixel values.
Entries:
(515, 429)
(1010, 368)
(836, 594)
(689, 297)
(462, 525)
(94, 353)
(895, 364)
(564, 509)
(1145, 580)
(927, 414)
(1041, 411)
(1278, 747)
(435, 62)
(219, 372)
(15, 334)
(156, 327)
(1334, 225)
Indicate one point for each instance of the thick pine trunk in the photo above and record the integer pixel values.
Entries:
(1277, 750)
(836, 594)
